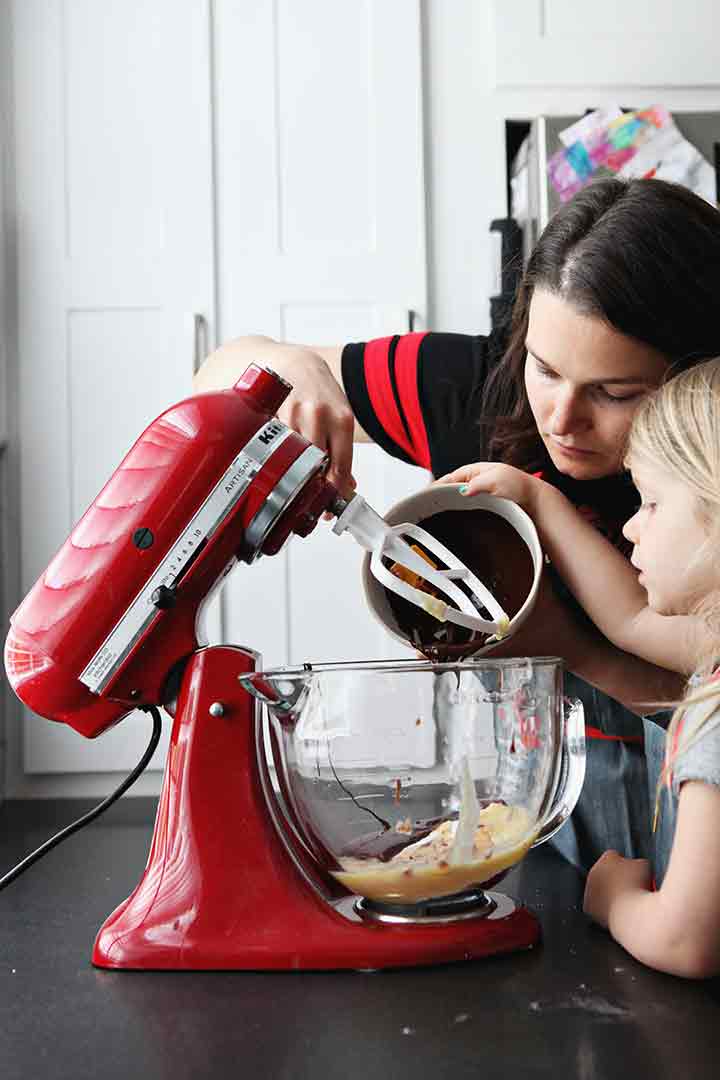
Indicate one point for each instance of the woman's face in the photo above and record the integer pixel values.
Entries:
(584, 381)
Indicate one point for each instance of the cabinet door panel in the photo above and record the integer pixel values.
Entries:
(321, 197)
(113, 164)
(140, 162)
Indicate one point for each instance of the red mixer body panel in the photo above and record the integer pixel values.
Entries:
(117, 608)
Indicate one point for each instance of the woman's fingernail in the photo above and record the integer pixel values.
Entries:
(464, 489)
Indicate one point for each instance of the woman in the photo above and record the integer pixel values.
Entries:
(621, 288)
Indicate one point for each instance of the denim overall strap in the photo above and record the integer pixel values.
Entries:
(613, 810)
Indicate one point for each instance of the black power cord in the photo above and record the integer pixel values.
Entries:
(33, 857)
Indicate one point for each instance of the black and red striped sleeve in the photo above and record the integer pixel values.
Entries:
(419, 396)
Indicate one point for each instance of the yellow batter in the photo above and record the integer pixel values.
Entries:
(430, 867)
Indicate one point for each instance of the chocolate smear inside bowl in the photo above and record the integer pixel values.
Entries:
(494, 551)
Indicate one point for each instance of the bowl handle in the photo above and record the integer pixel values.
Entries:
(572, 771)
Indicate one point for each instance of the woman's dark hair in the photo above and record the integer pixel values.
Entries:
(644, 256)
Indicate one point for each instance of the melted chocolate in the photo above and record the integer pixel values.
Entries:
(497, 555)
(388, 843)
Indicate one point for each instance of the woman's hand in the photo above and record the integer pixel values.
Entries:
(317, 407)
(495, 479)
(611, 877)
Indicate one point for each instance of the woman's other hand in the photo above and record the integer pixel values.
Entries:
(317, 407)
(494, 479)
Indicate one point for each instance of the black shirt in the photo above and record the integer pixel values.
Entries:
(421, 397)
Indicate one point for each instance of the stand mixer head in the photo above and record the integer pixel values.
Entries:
(214, 480)
(115, 624)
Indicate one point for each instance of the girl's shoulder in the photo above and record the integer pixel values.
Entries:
(697, 749)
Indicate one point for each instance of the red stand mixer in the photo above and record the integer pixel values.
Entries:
(113, 625)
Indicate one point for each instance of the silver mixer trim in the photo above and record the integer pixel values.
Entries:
(438, 912)
(244, 467)
(287, 487)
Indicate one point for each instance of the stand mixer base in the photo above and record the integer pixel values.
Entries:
(329, 937)
(221, 890)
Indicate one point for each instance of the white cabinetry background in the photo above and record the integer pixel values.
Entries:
(313, 171)
(113, 169)
(636, 43)
(217, 178)
(321, 238)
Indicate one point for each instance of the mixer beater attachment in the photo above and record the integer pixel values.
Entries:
(386, 544)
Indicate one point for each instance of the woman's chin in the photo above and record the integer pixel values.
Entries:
(579, 469)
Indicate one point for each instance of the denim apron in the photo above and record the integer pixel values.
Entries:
(614, 809)
(662, 837)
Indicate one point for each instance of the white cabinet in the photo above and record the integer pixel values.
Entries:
(321, 238)
(616, 43)
(115, 253)
(257, 163)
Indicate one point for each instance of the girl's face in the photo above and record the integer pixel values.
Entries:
(584, 381)
(669, 540)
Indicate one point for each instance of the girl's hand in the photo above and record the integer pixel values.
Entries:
(503, 480)
(612, 876)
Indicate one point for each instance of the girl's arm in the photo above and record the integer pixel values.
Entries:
(601, 579)
(677, 928)
(641, 687)
(558, 629)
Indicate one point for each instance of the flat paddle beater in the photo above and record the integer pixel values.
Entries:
(386, 543)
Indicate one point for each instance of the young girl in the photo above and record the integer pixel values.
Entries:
(665, 607)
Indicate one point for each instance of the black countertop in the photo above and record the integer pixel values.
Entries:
(577, 1006)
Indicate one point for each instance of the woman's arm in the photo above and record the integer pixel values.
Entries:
(317, 406)
(677, 928)
(602, 580)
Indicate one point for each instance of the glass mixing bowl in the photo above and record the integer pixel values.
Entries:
(411, 781)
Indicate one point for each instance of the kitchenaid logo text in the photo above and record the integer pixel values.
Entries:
(271, 432)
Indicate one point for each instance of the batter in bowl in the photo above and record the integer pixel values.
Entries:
(433, 866)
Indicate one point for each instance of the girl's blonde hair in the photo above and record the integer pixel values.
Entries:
(678, 429)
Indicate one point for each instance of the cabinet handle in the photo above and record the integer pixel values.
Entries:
(200, 341)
